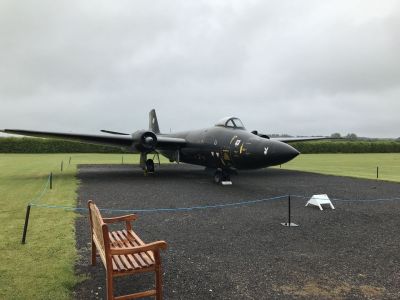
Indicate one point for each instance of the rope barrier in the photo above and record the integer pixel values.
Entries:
(145, 210)
(353, 200)
(39, 195)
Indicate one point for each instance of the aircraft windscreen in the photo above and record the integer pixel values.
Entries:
(238, 123)
(231, 122)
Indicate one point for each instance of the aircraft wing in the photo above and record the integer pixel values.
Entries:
(167, 143)
(86, 138)
(163, 142)
(300, 139)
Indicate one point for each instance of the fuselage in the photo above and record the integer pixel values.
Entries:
(230, 148)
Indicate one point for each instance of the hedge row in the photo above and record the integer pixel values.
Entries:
(348, 147)
(36, 145)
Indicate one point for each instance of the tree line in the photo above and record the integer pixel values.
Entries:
(348, 146)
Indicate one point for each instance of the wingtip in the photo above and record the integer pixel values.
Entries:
(5, 131)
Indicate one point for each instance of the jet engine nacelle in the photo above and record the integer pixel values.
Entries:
(144, 141)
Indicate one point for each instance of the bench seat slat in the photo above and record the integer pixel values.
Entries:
(123, 263)
(128, 241)
(117, 240)
(140, 260)
(120, 265)
(126, 262)
(133, 236)
(134, 262)
(114, 265)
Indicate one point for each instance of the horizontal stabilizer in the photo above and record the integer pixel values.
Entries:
(300, 139)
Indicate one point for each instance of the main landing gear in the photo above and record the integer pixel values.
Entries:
(149, 167)
(146, 164)
(222, 177)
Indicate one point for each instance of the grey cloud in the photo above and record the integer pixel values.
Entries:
(306, 67)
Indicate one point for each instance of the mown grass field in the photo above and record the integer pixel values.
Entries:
(353, 165)
(44, 267)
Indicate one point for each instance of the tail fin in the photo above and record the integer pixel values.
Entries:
(153, 123)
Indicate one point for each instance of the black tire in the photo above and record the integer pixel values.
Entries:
(217, 177)
(150, 166)
(226, 176)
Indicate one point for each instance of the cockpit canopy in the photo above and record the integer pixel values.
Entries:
(230, 122)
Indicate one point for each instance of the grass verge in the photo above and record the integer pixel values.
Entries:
(353, 165)
(43, 268)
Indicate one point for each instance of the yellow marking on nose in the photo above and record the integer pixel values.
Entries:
(241, 149)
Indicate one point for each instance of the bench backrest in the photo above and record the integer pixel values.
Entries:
(99, 229)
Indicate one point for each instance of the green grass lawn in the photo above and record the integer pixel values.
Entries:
(44, 267)
(353, 165)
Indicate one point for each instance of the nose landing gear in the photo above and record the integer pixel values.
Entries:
(222, 177)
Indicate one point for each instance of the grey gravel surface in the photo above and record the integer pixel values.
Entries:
(243, 252)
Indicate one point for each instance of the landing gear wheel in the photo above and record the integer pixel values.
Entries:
(221, 176)
(218, 177)
(226, 176)
(149, 166)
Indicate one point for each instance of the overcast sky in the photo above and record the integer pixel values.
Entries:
(297, 67)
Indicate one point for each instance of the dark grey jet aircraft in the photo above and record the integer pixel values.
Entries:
(224, 148)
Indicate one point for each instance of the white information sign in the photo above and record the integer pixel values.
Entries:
(319, 200)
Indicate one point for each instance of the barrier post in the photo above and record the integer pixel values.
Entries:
(28, 211)
(69, 162)
(122, 159)
(377, 172)
(62, 165)
(51, 180)
(289, 222)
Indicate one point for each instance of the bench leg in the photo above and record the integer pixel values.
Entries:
(158, 271)
(110, 288)
(93, 253)
(159, 295)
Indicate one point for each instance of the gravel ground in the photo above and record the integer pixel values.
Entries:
(243, 252)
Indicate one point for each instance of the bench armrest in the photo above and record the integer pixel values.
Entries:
(120, 219)
(147, 247)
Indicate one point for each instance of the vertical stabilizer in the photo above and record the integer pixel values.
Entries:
(153, 122)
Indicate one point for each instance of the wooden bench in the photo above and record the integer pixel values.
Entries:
(124, 253)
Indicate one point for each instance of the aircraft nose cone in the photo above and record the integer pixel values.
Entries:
(284, 152)
(290, 152)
